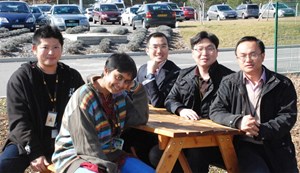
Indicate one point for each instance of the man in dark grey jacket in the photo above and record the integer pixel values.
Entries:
(194, 91)
(261, 103)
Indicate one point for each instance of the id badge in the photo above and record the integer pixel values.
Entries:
(54, 133)
(51, 117)
(118, 143)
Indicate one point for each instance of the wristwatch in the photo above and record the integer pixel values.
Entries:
(150, 76)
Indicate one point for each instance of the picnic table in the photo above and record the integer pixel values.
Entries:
(176, 133)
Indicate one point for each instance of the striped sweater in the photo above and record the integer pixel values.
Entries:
(85, 132)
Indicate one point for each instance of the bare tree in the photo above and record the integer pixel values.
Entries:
(200, 10)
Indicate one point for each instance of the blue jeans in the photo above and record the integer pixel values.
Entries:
(11, 161)
(133, 165)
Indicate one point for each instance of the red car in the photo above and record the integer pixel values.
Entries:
(189, 12)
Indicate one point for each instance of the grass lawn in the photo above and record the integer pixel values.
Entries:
(230, 31)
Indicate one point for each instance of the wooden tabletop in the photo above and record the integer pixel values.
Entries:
(164, 123)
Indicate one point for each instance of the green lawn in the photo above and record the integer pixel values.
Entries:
(230, 31)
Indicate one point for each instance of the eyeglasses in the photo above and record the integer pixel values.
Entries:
(209, 49)
(252, 56)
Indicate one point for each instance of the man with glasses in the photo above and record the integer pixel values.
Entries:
(262, 104)
(194, 91)
(158, 76)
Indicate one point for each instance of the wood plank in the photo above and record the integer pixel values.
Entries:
(228, 153)
(170, 155)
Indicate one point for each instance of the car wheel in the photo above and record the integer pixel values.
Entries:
(218, 18)
(94, 21)
(133, 26)
(100, 21)
(207, 18)
(173, 26)
(113, 23)
(122, 23)
(144, 24)
(130, 23)
(243, 16)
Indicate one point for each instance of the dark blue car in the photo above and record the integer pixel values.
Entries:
(16, 15)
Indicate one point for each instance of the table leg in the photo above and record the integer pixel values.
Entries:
(170, 155)
(184, 163)
(228, 153)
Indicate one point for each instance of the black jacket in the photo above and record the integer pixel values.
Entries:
(278, 110)
(28, 106)
(185, 92)
(158, 89)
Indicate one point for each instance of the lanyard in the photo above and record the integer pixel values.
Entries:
(52, 99)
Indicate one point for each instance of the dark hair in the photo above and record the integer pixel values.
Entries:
(155, 35)
(260, 44)
(47, 31)
(121, 62)
(202, 35)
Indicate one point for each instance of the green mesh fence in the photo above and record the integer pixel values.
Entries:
(288, 40)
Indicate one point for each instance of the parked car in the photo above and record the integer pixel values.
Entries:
(269, 10)
(179, 13)
(44, 7)
(188, 12)
(16, 15)
(106, 13)
(127, 16)
(121, 6)
(220, 12)
(88, 12)
(245, 11)
(65, 15)
(40, 17)
(151, 14)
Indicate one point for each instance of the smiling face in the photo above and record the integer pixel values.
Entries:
(250, 58)
(48, 53)
(204, 53)
(158, 49)
(115, 82)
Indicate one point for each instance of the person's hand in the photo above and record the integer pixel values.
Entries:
(188, 114)
(249, 125)
(39, 164)
(152, 66)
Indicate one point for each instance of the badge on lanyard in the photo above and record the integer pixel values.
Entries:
(118, 143)
(54, 133)
(51, 118)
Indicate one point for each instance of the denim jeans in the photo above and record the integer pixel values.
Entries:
(11, 161)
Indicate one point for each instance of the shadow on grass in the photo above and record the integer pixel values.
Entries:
(187, 26)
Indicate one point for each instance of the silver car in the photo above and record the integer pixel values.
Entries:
(65, 16)
(246, 11)
(269, 10)
(220, 12)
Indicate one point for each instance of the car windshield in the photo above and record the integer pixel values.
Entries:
(281, 6)
(252, 6)
(158, 7)
(224, 8)
(108, 8)
(13, 7)
(45, 8)
(173, 6)
(35, 10)
(133, 10)
(66, 10)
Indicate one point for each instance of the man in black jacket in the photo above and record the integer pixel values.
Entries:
(37, 94)
(194, 91)
(261, 103)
